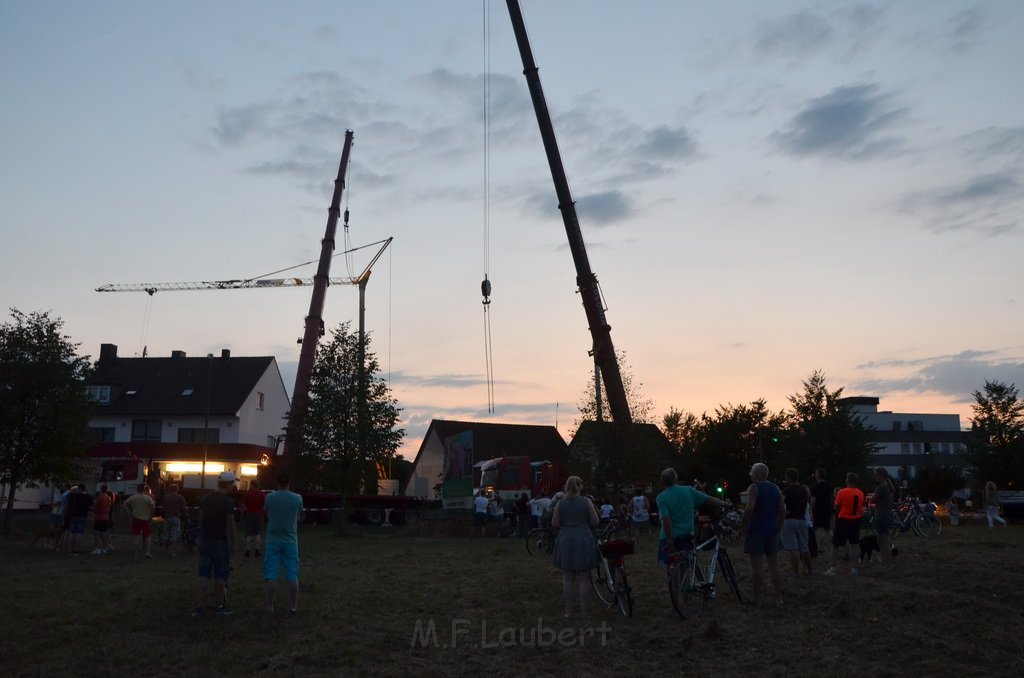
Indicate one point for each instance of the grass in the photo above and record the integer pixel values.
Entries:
(953, 607)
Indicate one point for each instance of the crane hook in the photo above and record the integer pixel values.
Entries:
(485, 289)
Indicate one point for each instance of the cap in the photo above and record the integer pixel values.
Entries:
(226, 477)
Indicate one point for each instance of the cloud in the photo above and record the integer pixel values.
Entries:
(964, 30)
(602, 209)
(234, 125)
(794, 35)
(995, 143)
(957, 375)
(988, 204)
(668, 143)
(848, 122)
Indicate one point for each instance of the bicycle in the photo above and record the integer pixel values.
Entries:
(540, 540)
(691, 585)
(608, 579)
(923, 522)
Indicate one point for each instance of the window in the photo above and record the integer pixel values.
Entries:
(100, 435)
(146, 430)
(98, 394)
(259, 400)
(904, 448)
(196, 435)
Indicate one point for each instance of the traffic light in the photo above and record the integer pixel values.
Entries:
(720, 489)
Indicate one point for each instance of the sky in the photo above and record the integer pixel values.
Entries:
(765, 190)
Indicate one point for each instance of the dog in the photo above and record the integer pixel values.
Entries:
(869, 546)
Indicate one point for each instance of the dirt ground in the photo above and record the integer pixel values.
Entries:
(396, 603)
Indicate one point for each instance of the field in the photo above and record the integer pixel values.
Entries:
(401, 603)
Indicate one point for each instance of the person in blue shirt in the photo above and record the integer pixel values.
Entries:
(283, 509)
(762, 521)
(676, 505)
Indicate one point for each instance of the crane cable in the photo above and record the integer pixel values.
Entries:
(485, 286)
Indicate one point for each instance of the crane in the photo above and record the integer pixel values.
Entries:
(587, 285)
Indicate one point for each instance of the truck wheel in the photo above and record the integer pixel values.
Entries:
(375, 515)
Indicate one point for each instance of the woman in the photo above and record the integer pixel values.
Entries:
(992, 504)
(575, 549)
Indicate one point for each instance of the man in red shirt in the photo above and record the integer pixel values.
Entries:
(252, 517)
(103, 507)
(849, 506)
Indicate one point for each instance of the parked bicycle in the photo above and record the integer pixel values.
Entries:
(609, 579)
(691, 582)
(540, 540)
(911, 515)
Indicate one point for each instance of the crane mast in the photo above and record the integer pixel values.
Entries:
(586, 281)
(314, 320)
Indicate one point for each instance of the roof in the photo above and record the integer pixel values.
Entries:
(648, 437)
(504, 440)
(178, 385)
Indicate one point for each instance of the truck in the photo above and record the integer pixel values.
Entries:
(509, 477)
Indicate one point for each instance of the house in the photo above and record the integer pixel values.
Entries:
(481, 441)
(173, 412)
(594, 442)
(909, 443)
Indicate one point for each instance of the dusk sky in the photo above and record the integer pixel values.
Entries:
(765, 188)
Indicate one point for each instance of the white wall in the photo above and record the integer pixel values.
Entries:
(256, 425)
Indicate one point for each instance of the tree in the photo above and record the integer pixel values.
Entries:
(821, 432)
(351, 417)
(44, 411)
(640, 407)
(997, 447)
(682, 430)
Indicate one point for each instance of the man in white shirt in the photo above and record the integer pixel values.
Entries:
(480, 504)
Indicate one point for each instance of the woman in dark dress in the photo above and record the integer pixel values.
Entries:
(575, 548)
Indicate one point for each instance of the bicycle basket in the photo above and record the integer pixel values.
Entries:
(617, 548)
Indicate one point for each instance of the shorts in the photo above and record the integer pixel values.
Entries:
(794, 535)
(681, 542)
(140, 527)
(172, 528)
(101, 525)
(253, 524)
(883, 523)
(640, 524)
(278, 554)
(77, 525)
(214, 559)
(480, 519)
(762, 545)
(823, 521)
(847, 531)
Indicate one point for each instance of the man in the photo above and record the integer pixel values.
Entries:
(676, 505)
(77, 515)
(216, 543)
(763, 517)
(283, 509)
(101, 523)
(480, 506)
(141, 507)
(883, 515)
(523, 516)
(849, 511)
(794, 529)
(821, 509)
(174, 510)
(252, 518)
(639, 514)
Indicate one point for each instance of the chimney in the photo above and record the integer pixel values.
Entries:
(177, 354)
(108, 355)
(225, 353)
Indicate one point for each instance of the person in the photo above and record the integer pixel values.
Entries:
(544, 508)
(56, 532)
(175, 507)
(676, 505)
(283, 509)
(497, 511)
(575, 551)
(992, 504)
(216, 544)
(480, 504)
(523, 515)
(535, 512)
(607, 510)
(794, 529)
(252, 518)
(883, 515)
(77, 515)
(639, 510)
(821, 508)
(141, 507)
(103, 509)
(763, 517)
(849, 506)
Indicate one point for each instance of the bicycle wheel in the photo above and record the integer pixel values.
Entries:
(684, 587)
(623, 594)
(604, 587)
(725, 564)
(538, 541)
(927, 525)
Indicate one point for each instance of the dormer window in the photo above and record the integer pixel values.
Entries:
(130, 391)
(187, 392)
(98, 394)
